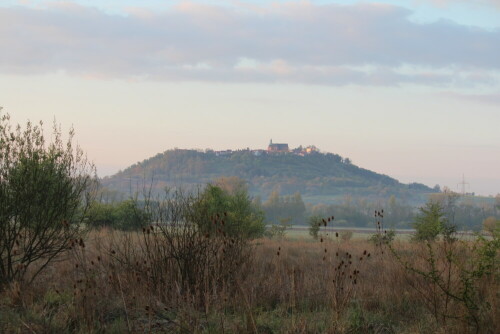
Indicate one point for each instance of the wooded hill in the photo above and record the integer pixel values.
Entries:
(319, 177)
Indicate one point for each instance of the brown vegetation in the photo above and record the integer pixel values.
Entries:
(120, 282)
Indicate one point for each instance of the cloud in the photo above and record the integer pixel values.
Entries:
(492, 99)
(293, 42)
(441, 3)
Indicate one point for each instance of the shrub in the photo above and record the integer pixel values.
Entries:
(45, 190)
(180, 254)
(385, 237)
(449, 275)
(314, 225)
(241, 218)
(491, 225)
(125, 215)
(430, 222)
(278, 231)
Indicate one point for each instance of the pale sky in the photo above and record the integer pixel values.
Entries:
(410, 88)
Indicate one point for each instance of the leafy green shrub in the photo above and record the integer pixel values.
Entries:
(449, 275)
(241, 217)
(430, 222)
(125, 215)
(45, 191)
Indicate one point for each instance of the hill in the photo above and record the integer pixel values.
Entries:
(319, 177)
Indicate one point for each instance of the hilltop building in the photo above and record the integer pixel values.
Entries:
(272, 148)
(277, 147)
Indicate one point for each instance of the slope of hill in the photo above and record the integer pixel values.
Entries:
(319, 177)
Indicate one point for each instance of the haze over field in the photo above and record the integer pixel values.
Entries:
(406, 88)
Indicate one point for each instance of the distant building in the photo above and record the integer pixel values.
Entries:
(277, 147)
(311, 149)
(222, 153)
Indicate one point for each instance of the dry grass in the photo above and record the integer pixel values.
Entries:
(110, 283)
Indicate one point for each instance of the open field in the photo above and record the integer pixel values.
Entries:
(358, 234)
(112, 283)
(301, 232)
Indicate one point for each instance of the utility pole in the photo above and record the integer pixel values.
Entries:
(463, 184)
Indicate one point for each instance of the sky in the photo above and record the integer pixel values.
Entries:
(407, 88)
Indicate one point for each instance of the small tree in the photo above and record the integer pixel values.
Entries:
(45, 191)
(429, 222)
(314, 225)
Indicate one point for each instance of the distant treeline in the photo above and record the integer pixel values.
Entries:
(467, 213)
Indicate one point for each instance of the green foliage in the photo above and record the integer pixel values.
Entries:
(314, 226)
(429, 222)
(240, 216)
(315, 174)
(45, 191)
(466, 212)
(487, 249)
(451, 273)
(125, 215)
(317, 177)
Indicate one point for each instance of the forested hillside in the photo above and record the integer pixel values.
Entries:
(319, 177)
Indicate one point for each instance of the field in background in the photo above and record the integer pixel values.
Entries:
(358, 234)
(300, 232)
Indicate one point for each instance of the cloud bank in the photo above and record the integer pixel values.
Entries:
(494, 3)
(293, 42)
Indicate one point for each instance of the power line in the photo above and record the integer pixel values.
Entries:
(463, 184)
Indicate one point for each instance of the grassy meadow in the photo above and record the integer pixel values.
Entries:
(121, 282)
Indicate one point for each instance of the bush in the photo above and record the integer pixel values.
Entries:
(383, 238)
(314, 225)
(449, 275)
(491, 225)
(125, 215)
(278, 231)
(45, 191)
(241, 217)
(430, 222)
(182, 256)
